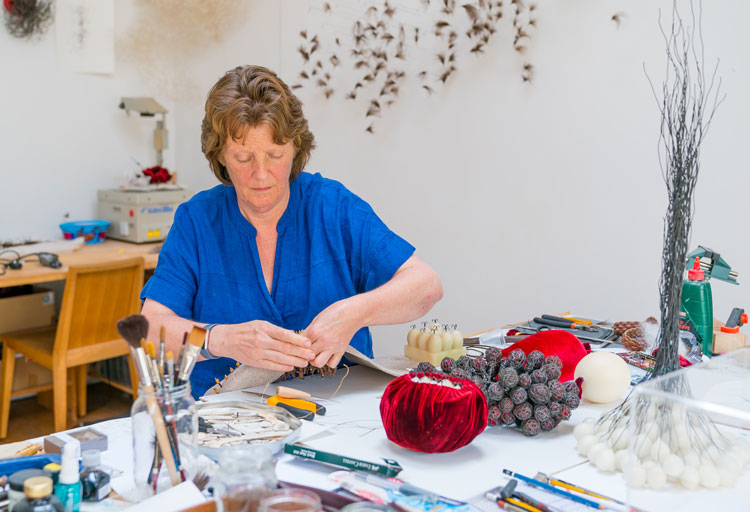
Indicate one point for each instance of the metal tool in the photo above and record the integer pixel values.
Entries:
(603, 342)
(556, 321)
(205, 426)
(716, 268)
(303, 409)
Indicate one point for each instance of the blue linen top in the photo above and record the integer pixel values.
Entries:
(331, 245)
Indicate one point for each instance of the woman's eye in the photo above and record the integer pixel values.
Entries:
(244, 160)
(275, 156)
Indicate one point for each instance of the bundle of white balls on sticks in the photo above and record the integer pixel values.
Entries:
(654, 443)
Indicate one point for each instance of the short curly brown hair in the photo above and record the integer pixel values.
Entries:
(248, 96)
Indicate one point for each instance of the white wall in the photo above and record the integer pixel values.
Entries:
(526, 199)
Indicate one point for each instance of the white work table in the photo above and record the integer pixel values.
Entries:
(352, 427)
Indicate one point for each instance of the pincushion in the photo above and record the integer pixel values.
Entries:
(562, 344)
(432, 413)
(606, 377)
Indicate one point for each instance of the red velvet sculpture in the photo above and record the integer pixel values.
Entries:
(562, 344)
(430, 417)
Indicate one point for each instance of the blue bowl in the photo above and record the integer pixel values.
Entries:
(93, 231)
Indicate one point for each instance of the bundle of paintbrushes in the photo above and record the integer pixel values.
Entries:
(159, 376)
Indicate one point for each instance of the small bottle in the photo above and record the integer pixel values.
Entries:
(39, 497)
(95, 482)
(696, 303)
(68, 488)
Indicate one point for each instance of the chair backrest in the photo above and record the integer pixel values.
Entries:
(95, 298)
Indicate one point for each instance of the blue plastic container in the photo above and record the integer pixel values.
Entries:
(93, 231)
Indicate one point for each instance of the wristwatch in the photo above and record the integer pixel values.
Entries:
(204, 351)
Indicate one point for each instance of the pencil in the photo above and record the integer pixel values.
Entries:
(521, 504)
(573, 487)
(509, 506)
(555, 490)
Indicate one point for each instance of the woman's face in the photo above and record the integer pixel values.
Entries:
(259, 170)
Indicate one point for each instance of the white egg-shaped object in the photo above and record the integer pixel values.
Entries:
(605, 460)
(673, 465)
(606, 377)
(583, 429)
(636, 476)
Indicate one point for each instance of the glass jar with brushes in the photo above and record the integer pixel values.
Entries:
(165, 422)
(245, 476)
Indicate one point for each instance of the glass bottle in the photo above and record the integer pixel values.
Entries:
(39, 497)
(244, 477)
(162, 421)
(291, 500)
(95, 482)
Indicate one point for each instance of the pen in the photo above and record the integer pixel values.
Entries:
(553, 489)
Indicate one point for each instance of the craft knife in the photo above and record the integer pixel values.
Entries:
(303, 409)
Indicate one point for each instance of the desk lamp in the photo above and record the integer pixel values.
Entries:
(149, 107)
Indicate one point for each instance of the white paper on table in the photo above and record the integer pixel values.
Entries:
(179, 497)
(85, 31)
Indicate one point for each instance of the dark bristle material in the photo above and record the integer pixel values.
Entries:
(133, 328)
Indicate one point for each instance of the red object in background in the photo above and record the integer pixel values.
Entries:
(683, 362)
(157, 174)
(432, 418)
(562, 344)
(8, 5)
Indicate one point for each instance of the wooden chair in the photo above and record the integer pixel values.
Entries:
(95, 298)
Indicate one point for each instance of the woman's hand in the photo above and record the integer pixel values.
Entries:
(331, 331)
(261, 344)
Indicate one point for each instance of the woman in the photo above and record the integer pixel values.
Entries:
(282, 267)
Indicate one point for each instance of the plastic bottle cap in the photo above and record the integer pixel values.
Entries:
(695, 273)
(91, 458)
(69, 472)
(37, 487)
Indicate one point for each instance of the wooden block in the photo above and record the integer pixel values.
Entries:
(725, 342)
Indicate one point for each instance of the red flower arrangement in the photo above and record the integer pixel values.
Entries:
(433, 413)
(157, 174)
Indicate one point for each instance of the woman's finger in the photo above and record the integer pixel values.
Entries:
(288, 336)
(271, 365)
(333, 362)
(271, 344)
(321, 359)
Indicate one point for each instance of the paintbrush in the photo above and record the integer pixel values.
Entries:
(133, 329)
(190, 354)
(162, 347)
(182, 351)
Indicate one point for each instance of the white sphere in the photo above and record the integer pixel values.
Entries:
(620, 438)
(673, 465)
(606, 377)
(709, 476)
(683, 439)
(590, 420)
(660, 450)
(656, 478)
(642, 447)
(652, 432)
(585, 442)
(636, 476)
(649, 464)
(692, 459)
(622, 457)
(727, 477)
(595, 449)
(690, 478)
(605, 460)
(583, 429)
